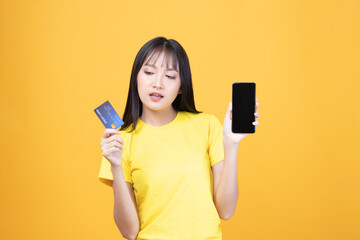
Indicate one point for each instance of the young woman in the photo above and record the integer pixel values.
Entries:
(173, 169)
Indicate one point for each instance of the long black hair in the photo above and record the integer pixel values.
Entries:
(183, 102)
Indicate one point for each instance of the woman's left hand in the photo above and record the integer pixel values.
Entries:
(228, 135)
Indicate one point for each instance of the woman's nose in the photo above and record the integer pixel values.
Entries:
(157, 82)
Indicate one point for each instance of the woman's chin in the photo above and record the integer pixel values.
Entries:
(157, 107)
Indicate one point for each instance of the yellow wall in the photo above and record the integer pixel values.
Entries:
(298, 175)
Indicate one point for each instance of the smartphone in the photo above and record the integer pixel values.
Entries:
(243, 107)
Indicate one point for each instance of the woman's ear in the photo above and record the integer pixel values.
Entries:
(180, 91)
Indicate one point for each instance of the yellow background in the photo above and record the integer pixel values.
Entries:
(298, 175)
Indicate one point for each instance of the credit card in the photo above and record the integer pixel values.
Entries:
(108, 116)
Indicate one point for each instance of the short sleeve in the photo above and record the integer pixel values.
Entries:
(105, 174)
(216, 146)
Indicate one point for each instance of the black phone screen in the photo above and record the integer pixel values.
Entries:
(243, 107)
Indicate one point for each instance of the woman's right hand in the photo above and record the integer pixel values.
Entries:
(112, 147)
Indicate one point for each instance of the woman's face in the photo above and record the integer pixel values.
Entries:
(158, 77)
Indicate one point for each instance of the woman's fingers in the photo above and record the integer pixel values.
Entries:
(108, 132)
(114, 138)
(109, 151)
(257, 114)
(110, 140)
(113, 145)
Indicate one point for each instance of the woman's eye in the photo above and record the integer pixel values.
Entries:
(151, 73)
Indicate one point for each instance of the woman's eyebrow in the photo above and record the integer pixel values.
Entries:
(152, 65)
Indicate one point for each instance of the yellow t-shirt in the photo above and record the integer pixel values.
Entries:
(170, 169)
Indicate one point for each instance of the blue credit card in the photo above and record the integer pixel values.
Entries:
(108, 116)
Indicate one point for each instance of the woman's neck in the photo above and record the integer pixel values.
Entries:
(158, 118)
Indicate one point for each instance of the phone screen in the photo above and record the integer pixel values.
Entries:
(243, 109)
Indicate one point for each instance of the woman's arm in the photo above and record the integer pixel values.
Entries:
(125, 211)
(225, 173)
(226, 182)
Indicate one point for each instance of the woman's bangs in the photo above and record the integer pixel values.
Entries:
(170, 57)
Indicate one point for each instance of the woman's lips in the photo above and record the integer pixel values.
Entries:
(155, 98)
